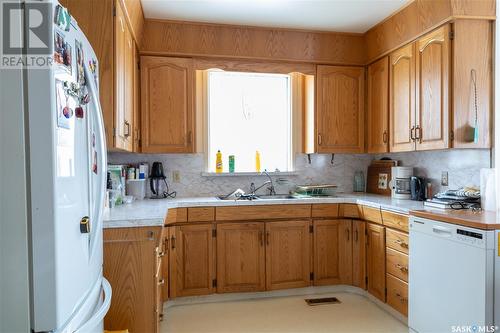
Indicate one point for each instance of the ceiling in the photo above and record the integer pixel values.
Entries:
(326, 15)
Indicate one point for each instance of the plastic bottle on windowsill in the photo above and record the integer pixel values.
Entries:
(218, 162)
(257, 161)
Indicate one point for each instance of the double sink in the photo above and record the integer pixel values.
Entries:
(265, 197)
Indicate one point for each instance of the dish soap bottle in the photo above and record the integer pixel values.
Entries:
(218, 162)
(257, 161)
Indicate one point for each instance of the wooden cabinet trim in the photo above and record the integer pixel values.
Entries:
(325, 210)
(201, 214)
(372, 214)
(262, 212)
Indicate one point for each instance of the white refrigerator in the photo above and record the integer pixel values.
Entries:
(66, 185)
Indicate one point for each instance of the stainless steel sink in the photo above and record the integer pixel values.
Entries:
(276, 197)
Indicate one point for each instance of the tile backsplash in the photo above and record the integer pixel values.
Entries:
(462, 165)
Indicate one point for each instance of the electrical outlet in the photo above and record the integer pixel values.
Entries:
(176, 176)
(444, 178)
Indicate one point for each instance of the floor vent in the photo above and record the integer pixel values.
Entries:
(321, 301)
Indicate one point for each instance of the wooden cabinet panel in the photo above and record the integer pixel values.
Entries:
(397, 264)
(167, 105)
(288, 255)
(325, 210)
(164, 255)
(359, 254)
(201, 214)
(372, 214)
(397, 240)
(241, 265)
(332, 253)
(402, 99)
(432, 125)
(130, 265)
(397, 294)
(176, 215)
(378, 107)
(267, 212)
(192, 265)
(375, 260)
(350, 210)
(395, 220)
(340, 109)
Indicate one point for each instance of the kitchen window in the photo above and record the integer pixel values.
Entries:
(249, 112)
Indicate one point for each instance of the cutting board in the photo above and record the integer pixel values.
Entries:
(379, 175)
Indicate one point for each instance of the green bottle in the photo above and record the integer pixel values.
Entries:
(231, 163)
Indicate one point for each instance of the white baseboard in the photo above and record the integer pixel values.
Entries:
(215, 298)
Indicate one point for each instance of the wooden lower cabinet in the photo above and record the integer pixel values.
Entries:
(397, 294)
(359, 254)
(133, 268)
(288, 255)
(375, 260)
(241, 258)
(332, 253)
(397, 248)
(192, 260)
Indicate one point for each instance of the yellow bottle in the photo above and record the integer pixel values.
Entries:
(218, 162)
(257, 161)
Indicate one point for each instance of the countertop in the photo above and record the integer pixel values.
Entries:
(151, 212)
(484, 220)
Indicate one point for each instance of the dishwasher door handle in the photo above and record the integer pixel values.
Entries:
(441, 231)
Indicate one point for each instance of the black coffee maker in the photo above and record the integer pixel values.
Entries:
(417, 188)
(156, 179)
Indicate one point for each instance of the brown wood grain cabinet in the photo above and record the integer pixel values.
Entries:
(359, 254)
(241, 259)
(132, 265)
(108, 28)
(167, 92)
(378, 107)
(288, 255)
(192, 260)
(375, 260)
(332, 252)
(340, 109)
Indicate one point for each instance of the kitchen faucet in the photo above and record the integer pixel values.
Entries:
(271, 189)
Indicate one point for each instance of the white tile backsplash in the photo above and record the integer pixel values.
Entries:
(462, 165)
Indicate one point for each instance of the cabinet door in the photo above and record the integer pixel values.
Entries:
(433, 71)
(192, 260)
(288, 255)
(167, 105)
(123, 83)
(375, 253)
(340, 109)
(402, 99)
(137, 105)
(359, 254)
(241, 260)
(332, 252)
(378, 106)
(130, 264)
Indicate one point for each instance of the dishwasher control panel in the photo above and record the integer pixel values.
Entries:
(470, 236)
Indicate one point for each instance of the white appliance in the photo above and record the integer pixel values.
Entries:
(451, 278)
(400, 182)
(67, 180)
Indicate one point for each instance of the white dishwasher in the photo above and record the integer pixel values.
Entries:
(451, 278)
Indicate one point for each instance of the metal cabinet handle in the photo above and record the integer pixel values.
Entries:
(127, 127)
(418, 133)
(401, 243)
(172, 241)
(319, 139)
(401, 298)
(348, 234)
(385, 136)
(402, 268)
(261, 238)
(356, 235)
(161, 282)
(267, 238)
(412, 133)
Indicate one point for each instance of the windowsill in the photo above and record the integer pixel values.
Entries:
(248, 174)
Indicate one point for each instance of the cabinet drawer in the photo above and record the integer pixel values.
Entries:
(350, 210)
(397, 264)
(201, 214)
(175, 215)
(397, 294)
(325, 210)
(397, 240)
(245, 213)
(372, 214)
(395, 220)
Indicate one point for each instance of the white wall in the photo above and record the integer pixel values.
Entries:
(14, 274)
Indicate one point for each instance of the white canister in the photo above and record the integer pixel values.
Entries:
(136, 188)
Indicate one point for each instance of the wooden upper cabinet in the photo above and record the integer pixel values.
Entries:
(402, 99)
(340, 109)
(375, 260)
(167, 105)
(332, 252)
(192, 262)
(288, 255)
(432, 123)
(241, 259)
(378, 107)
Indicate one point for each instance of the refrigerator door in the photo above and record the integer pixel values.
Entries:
(67, 171)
